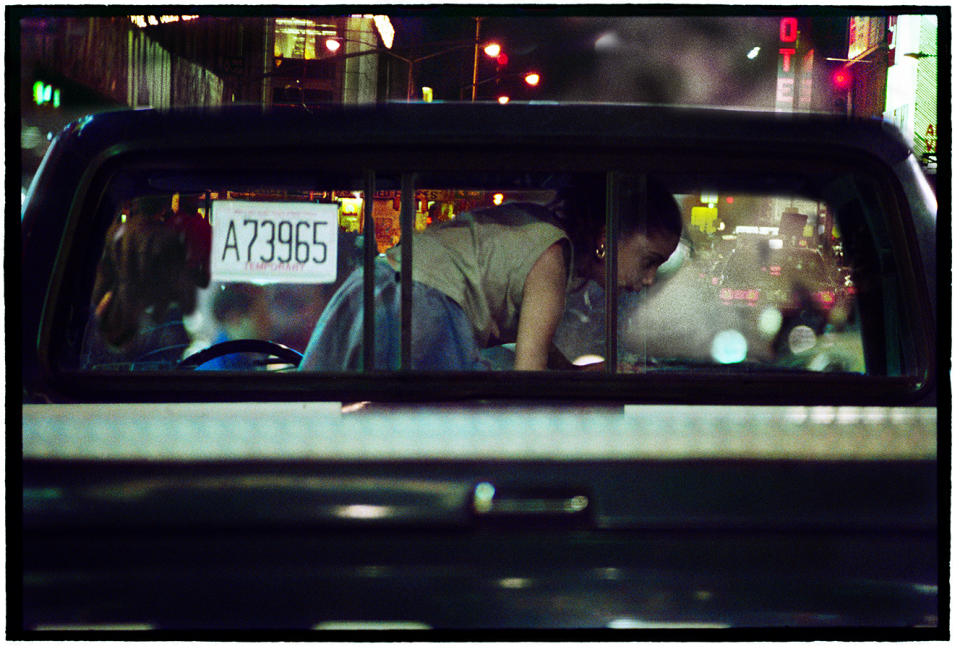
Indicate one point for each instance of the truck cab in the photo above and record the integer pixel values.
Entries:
(698, 455)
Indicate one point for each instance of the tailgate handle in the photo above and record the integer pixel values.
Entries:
(486, 501)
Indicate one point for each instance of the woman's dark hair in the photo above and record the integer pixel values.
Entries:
(583, 215)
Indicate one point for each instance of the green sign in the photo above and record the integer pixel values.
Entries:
(44, 94)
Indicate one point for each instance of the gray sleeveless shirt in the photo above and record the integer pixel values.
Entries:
(481, 260)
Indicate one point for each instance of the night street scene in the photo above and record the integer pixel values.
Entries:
(478, 322)
(844, 63)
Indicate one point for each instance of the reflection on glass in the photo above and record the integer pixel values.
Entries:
(757, 280)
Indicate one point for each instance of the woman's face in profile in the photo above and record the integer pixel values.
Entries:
(639, 255)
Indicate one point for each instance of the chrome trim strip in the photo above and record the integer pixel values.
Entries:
(318, 431)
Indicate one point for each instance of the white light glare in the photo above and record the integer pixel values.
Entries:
(729, 347)
(587, 359)
(371, 625)
(607, 41)
(632, 623)
(385, 28)
(364, 512)
(801, 339)
(483, 495)
(752, 54)
(769, 322)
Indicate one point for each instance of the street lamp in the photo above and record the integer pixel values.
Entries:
(531, 78)
(493, 50)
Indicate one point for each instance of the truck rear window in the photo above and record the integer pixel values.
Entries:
(759, 279)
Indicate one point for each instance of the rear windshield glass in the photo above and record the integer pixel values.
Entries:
(245, 274)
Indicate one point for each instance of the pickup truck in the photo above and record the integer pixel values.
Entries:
(693, 465)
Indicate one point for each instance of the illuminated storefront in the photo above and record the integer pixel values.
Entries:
(911, 99)
(327, 60)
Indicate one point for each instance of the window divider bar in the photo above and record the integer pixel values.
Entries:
(369, 258)
(406, 269)
(610, 282)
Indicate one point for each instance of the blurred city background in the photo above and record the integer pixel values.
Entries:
(73, 62)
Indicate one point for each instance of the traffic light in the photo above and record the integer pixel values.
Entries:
(841, 82)
(842, 79)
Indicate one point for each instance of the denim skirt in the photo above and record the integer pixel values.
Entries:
(441, 335)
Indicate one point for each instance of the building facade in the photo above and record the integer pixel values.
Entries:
(71, 66)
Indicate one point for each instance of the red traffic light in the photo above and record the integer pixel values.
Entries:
(842, 79)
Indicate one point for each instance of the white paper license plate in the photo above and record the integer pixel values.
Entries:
(279, 242)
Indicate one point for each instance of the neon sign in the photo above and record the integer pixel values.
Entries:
(786, 75)
(44, 93)
(150, 21)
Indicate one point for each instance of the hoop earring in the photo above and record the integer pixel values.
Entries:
(600, 251)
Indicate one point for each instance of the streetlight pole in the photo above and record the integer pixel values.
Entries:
(476, 60)
(412, 61)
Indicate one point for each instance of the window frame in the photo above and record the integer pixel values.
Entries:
(405, 162)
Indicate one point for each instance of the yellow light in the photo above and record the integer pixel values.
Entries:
(497, 199)
(532, 78)
(427, 93)
(503, 99)
(492, 50)
(385, 28)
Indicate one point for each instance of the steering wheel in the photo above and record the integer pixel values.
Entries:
(245, 346)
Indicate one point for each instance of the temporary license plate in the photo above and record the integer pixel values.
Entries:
(279, 242)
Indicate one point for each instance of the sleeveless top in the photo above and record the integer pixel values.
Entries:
(481, 260)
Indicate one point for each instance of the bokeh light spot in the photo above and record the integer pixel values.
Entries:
(729, 347)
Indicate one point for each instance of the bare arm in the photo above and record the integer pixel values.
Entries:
(544, 292)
